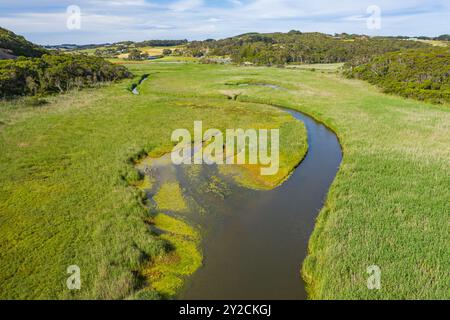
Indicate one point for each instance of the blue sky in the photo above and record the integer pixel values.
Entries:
(45, 21)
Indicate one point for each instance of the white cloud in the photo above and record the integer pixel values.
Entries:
(235, 2)
(184, 5)
(44, 21)
(274, 9)
(139, 3)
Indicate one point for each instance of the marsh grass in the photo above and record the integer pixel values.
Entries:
(65, 198)
(68, 185)
(389, 203)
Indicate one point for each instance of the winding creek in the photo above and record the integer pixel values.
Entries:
(135, 87)
(255, 250)
(254, 242)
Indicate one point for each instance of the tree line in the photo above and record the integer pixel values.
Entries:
(422, 74)
(297, 47)
(160, 43)
(55, 73)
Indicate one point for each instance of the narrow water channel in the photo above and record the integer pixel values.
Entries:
(254, 242)
(257, 240)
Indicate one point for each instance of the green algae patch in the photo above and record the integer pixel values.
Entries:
(170, 198)
(217, 187)
(293, 148)
(248, 176)
(146, 184)
(166, 273)
(194, 171)
(175, 226)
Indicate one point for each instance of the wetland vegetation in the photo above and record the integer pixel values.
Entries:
(85, 178)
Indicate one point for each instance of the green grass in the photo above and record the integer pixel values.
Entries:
(329, 67)
(62, 201)
(389, 203)
(70, 194)
(166, 59)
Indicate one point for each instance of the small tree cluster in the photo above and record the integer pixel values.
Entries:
(137, 55)
(55, 74)
(422, 74)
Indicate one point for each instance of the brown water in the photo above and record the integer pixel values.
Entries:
(254, 242)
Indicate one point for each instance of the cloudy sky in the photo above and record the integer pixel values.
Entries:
(46, 21)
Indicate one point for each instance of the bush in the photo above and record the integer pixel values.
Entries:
(137, 55)
(147, 294)
(157, 248)
(297, 47)
(423, 74)
(55, 74)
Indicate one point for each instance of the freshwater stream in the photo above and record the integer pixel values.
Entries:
(254, 242)
(257, 240)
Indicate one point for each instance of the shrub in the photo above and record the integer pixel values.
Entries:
(297, 47)
(147, 294)
(423, 74)
(55, 74)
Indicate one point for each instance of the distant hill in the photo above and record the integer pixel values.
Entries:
(146, 43)
(41, 72)
(13, 45)
(298, 47)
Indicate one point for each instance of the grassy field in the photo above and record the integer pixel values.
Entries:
(70, 193)
(167, 59)
(437, 43)
(330, 67)
(152, 51)
(62, 200)
(389, 204)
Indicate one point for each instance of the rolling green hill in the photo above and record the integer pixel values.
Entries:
(13, 45)
(298, 47)
(40, 72)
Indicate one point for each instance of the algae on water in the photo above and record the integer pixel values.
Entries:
(170, 198)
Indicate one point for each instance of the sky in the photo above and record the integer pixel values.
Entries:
(100, 21)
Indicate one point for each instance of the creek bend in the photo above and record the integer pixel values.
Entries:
(254, 242)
